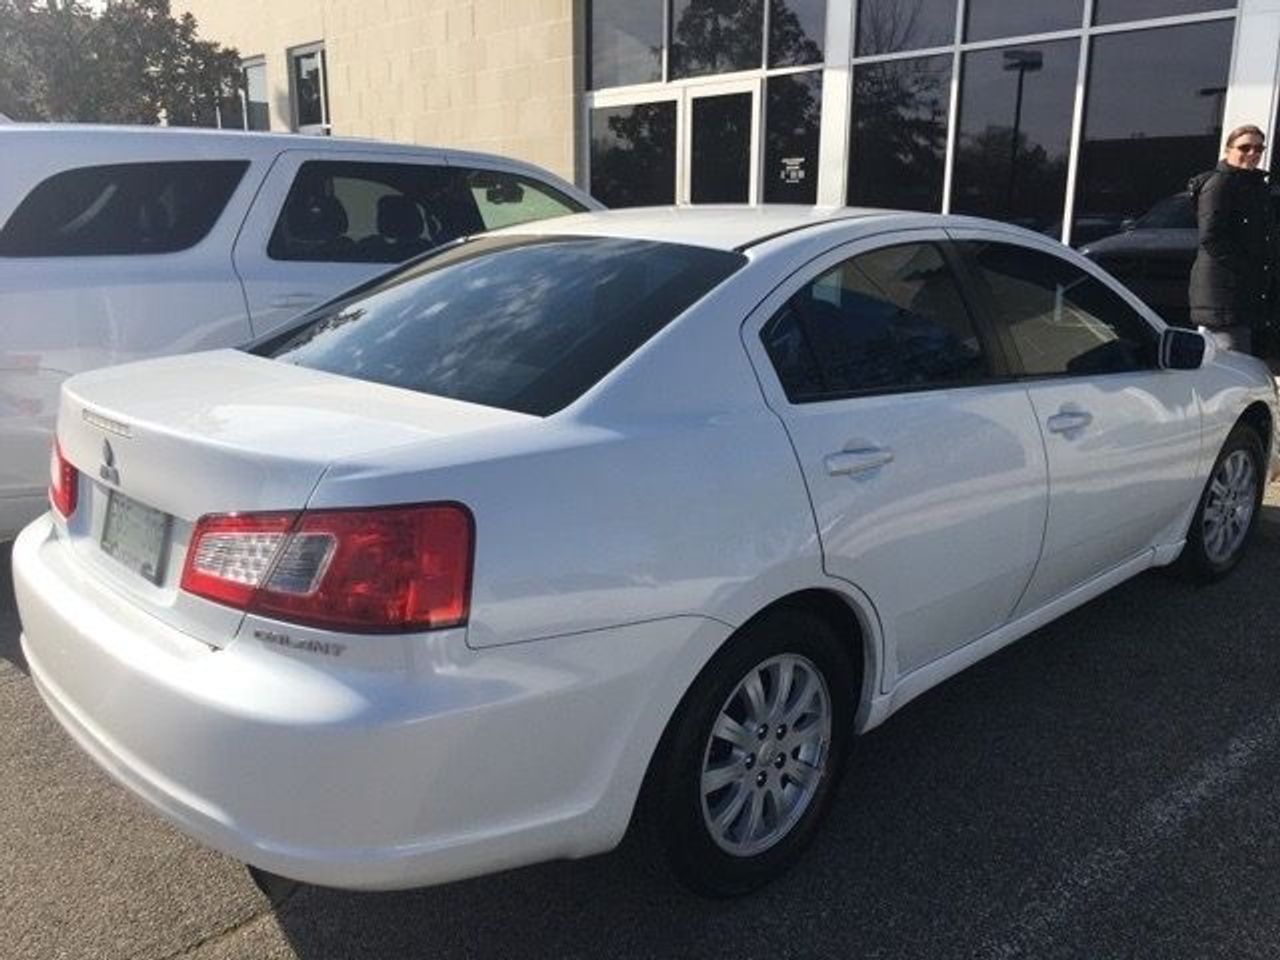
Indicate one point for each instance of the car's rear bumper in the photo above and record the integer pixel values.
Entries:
(356, 778)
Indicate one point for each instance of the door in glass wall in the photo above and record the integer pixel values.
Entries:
(1015, 133)
(721, 144)
(633, 154)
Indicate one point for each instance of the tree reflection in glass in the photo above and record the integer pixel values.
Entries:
(898, 143)
(1015, 133)
(887, 26)
(715, 36)
(633, 154)
(796, 32)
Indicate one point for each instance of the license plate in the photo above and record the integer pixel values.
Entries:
(135, 535)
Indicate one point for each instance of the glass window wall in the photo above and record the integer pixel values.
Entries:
(992, 19)
(1122, 11)
(715, 36)
(791, 138)
(1153, 118)
(797, 30)
(888, 26)
(633, 154)
(1015, 133)
(626, 42)
(898, 139)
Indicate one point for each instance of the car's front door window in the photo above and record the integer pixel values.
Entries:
(1061, 319)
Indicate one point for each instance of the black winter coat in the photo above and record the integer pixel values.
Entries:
(1231, 277)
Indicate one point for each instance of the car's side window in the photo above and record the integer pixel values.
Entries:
(504, 199)
(122, 209)
(887, 320)
(370, 212)
(1061, 319)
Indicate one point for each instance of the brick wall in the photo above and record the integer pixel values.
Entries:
(493, 75)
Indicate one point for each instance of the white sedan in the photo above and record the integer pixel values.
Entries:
(642, 510)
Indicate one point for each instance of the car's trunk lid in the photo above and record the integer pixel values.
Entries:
(161, 443)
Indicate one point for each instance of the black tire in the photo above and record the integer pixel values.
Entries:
(674, 791)
(1204, 558)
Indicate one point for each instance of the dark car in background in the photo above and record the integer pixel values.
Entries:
(1152, 254)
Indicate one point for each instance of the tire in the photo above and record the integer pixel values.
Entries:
(1228, 510)
(752, 780)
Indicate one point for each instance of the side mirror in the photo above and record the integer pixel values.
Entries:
(1181, 349)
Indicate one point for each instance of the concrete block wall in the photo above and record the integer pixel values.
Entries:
(495, 75)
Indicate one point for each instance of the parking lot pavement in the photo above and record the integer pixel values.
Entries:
(1106, 787)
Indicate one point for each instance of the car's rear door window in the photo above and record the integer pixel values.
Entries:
(122, 209)
(517, 322)
(375, 212)
(1061, 319)
(887, 320)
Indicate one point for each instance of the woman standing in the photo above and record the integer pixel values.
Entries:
(1230, 289)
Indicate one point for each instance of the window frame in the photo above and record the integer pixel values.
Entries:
(325, 126)
(988, 306)
(998, 363)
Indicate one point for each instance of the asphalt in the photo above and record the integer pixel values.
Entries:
(1106, 787)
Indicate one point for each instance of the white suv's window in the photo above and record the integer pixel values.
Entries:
(504, 199)
(123, 208)
(371, 212)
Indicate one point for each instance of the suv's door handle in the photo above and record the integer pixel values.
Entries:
(285, 300)
(853, 462)
(1067, 421)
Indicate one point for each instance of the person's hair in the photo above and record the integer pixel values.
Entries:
(1239, 132)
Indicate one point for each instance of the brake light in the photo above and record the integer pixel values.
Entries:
(63, 481)
(367, 570)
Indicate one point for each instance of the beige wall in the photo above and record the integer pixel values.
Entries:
(495, 75)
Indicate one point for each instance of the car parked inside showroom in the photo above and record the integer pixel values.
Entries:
(121, 243)
(627, 516)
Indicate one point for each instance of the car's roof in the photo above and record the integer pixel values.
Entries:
(248, 142)
(719, 227)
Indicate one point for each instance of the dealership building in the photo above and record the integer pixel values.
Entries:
(1067, 116)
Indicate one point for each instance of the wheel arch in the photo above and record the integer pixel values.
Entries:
(1258, 416)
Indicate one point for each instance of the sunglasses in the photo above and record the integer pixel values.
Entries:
(1249, 147)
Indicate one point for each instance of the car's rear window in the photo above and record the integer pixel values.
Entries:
(517, 322)
(121, 209)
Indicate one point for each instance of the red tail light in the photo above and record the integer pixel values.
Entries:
(377, 570)
(63, 481)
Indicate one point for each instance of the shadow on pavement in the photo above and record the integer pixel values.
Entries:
(957, 820)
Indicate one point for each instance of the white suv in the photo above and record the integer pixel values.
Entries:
(120, 243)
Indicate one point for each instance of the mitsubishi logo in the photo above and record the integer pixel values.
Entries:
(108, 471)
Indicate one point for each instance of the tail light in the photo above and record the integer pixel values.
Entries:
(375, 570)
(63, 481)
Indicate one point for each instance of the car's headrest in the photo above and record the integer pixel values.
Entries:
(399, 218)
(317, 218)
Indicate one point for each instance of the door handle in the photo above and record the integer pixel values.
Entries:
(1069, 421)
(853, 462)
(286, 300)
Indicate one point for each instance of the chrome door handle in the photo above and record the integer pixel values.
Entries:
(1069, 420)
(853, 462)
(284, 301)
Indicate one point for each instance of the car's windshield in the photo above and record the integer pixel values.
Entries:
(1171, 213)
(518, 322)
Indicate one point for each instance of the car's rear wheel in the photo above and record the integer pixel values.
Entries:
(1228, 508)
(748, 766)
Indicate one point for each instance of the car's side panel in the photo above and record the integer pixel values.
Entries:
(944, 535)
(62, 315)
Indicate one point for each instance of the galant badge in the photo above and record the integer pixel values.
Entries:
(108, 471)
